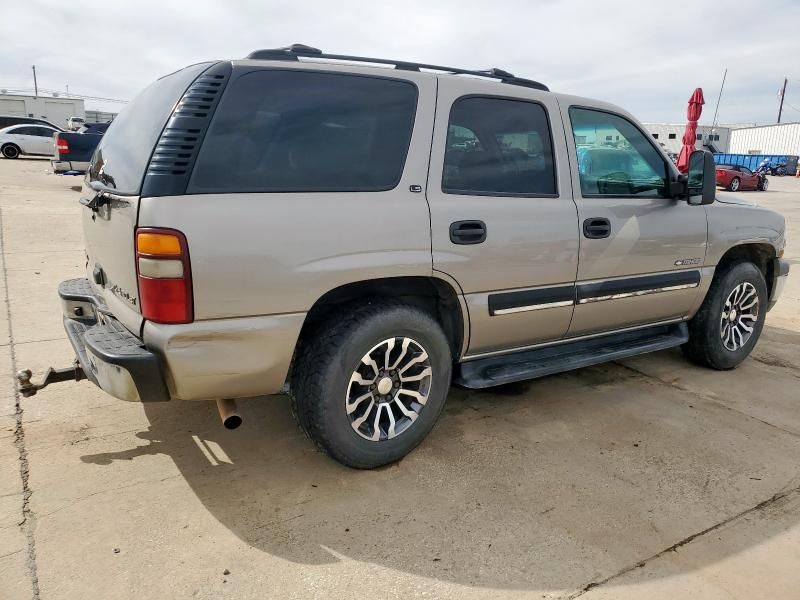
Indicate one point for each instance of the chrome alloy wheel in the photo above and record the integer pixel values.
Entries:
(388, 389)
(739, 316)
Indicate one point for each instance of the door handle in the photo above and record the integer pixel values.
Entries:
(467, 232)
(596, 228)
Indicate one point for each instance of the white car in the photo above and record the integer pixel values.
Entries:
(36, 140)
(75, 123)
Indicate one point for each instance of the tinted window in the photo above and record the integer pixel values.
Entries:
(745, 170)
(628, 167)
(43, 131)
(292, 131)
(498, 146)
(122, 156)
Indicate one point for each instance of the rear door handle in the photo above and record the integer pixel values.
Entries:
(596, 228)
(467, 232)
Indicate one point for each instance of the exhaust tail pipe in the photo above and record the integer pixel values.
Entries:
(229, 413)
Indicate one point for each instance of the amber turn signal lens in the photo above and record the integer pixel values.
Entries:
(159, 244)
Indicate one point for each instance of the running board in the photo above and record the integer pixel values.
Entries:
(529, 364)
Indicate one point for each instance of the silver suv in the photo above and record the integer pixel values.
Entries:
(360, 232)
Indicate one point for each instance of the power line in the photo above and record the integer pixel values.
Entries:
(60, 94)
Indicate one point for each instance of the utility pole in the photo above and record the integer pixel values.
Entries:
(67, 86)
(716, 108)
(782, 94)
(35, 85)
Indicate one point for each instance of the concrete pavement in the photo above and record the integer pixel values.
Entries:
(646, 478)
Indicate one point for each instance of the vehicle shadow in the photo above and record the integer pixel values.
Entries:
(549, 484)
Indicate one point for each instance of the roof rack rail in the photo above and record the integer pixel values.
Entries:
(295, 51)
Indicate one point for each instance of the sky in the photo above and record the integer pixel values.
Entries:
(644, 55)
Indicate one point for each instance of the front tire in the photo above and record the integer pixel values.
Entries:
(10, 151)
(727, 326)
(370, 385)
(734, 184)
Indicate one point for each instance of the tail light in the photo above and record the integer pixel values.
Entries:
(62, 145)
(165, 277)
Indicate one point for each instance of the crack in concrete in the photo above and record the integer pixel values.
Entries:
(28, 523)
(674, 547)
(704, 397)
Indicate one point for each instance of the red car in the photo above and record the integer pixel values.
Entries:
(737, 177)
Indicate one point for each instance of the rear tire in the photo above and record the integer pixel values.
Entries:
(10, 151)
(400, 353)
(734, 184)
(736, 301)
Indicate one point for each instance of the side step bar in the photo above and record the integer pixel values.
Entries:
(529, 364)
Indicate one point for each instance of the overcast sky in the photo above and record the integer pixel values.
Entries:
(646, 56)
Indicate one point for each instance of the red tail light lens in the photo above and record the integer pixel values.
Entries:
(165, 277)
(62, 146)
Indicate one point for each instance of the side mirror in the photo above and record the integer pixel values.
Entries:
(702, 178)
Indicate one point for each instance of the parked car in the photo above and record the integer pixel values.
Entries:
(73, 150)
(75, 123)
(362, 235)
(9, 120)
(34, 140)
(737, 177)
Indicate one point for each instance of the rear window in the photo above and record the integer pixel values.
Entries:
(299, 131)
(122, 156)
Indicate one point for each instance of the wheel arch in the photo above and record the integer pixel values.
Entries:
(6, 144)
(435, 295)
(761, 254)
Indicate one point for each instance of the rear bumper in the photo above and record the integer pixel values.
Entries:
(204, 360)
(111, 356)
(62, 166)
(780, 271)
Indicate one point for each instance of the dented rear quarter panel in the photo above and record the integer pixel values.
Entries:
(277, 253)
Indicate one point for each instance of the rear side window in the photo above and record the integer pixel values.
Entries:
(299, 131)
(43, 132)
(498, 146)
(122, 156)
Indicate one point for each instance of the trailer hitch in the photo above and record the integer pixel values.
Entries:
(28, 389)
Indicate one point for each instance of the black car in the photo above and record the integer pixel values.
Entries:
(9, 120)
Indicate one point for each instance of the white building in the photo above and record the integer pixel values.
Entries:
(99, 116)
(767, 139)
(53, 109)
(670, 136)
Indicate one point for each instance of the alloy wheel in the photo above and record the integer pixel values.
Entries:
(739, 316)
(388, 389)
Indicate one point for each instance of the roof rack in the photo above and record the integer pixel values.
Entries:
(295, 51)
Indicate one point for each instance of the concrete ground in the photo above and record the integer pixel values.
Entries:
(648, 478)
